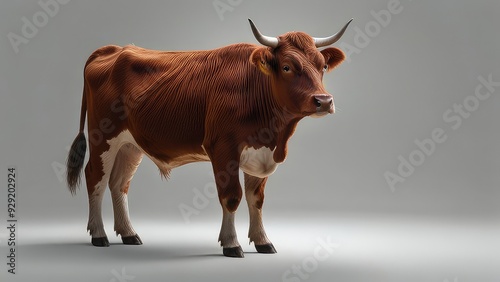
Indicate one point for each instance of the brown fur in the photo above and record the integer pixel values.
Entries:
(210, 103)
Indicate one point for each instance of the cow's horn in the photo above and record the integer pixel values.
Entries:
(264, 40)
(321, 42)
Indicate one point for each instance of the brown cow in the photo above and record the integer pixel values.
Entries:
(236, 106)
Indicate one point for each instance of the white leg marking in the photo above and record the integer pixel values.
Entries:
(126, 163)
(227, 235)
(123, 226)
(95, 225)
(256, 232)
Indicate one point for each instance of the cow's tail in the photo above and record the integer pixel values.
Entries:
(76, 155)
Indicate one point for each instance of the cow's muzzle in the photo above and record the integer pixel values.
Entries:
(324, 104)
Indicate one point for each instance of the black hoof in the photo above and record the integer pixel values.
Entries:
(266, 249)
(235, 252)
(100, 242)
(132, 240)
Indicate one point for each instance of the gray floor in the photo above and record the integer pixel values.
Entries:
(361, 248)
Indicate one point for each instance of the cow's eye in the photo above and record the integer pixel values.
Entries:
(325, 67)
(286, 68)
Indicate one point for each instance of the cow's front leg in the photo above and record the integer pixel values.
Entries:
(227, 236)
(229, 197)
(254, 193)
(226, 169)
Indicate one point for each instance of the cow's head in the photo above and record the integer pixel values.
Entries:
(296, 68)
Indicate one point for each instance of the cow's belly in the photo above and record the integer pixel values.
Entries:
(125, 137)
(258, 162)
(179, 161)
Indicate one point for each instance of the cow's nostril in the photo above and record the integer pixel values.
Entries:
(317, 102)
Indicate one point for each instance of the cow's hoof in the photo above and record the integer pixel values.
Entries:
(100, 242)
(132, 240)
(235, 252)
(266, 249)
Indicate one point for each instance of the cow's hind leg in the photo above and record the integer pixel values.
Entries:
(97, 173)
(254, 193)
(126, 162)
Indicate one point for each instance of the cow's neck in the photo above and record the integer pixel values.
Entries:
(282, 140)
(275, 126)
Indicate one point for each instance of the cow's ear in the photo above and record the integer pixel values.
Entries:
(261, 58)
(333, 57)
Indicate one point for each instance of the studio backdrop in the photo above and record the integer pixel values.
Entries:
(415, 136)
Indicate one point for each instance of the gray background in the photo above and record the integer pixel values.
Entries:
(442, 223)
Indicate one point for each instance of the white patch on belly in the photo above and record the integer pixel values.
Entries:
(258, 162)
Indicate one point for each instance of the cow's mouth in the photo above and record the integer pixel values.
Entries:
(318, 114)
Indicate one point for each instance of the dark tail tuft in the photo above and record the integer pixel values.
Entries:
(75, 161)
